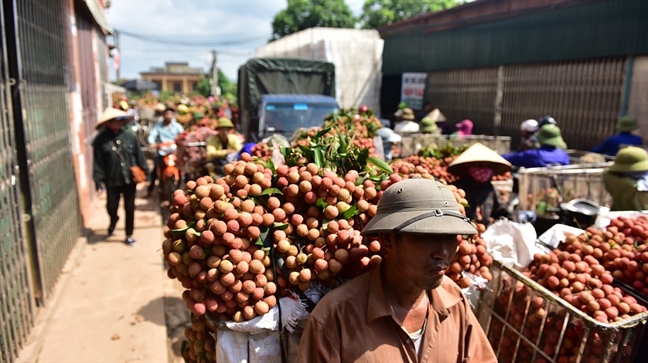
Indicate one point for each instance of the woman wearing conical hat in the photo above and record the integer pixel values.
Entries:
(476, 167)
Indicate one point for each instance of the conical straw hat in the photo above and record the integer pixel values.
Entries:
(436, 115)
(110, 114)
(479, 153)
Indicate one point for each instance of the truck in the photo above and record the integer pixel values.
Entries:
(356, 54)
(282, 95)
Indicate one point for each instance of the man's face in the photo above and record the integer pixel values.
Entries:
(168, 116)
(115, 125)
(421, 259)
(427, 107)
(223, 132)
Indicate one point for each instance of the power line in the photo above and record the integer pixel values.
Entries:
(194, 44)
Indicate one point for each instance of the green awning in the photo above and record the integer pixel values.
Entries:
(99, 16)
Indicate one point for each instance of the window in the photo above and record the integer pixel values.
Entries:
(177, 86)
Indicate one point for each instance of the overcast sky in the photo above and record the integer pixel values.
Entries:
(243, 24)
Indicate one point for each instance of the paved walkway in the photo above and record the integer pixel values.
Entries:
(110, 308)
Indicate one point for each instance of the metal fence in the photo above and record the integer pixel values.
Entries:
(51, 194)
(583, 96)
(465, 93)
(16, 297)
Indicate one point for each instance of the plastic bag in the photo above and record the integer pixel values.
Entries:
(557, 234)
(511, 243)
(258, 340)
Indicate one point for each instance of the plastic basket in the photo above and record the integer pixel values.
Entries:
(526, 323)
(570, 182)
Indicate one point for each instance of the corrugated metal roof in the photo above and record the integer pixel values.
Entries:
(97, 10)
(591, 30)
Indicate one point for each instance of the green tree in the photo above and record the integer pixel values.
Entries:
(304, 14)
(226, 85)
(376, 13)
(203, 87)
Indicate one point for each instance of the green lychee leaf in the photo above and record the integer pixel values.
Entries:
(271, 191)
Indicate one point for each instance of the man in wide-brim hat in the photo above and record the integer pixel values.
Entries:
(407, 124)
(115, 151)
(550, 153)
(406, 309)
(625, 128)
(627, 180)
(476, 167)
(225, 144)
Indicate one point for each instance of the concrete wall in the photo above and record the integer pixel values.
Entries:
(82, 120)
(166, 82)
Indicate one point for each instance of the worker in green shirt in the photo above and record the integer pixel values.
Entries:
(627, 180)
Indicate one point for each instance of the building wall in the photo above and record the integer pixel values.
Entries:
(178, 83)
(566, 31)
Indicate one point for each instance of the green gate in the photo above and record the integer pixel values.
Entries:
(16, 297)
(49, 183)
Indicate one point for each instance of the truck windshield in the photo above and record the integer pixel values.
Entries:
(286, 118)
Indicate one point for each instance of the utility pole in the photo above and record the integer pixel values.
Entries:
(118, 68)
(214, 69)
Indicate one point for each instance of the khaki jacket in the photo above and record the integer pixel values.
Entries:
(215, 149)
(624, 193)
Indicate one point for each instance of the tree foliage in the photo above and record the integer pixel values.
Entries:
(304, 14)
(376, 13)
(226, 85)
(203, 87)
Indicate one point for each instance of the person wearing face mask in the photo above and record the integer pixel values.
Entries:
(114, 152)
(476, 167)
(405, 310)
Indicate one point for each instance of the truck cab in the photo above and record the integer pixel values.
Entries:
(286, 113)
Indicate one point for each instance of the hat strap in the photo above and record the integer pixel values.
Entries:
(433, 213)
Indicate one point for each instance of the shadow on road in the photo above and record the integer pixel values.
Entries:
(151, 311)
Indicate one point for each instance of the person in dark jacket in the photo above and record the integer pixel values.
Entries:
(113, 173)
(476, 167)
(551, 152)
(625, 137)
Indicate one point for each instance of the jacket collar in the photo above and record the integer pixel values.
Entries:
(378, 305)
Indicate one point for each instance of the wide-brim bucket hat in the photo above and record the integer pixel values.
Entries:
(630, 159)
(224, 122)
(408, 114)
(419, 206)
(627, 124)
(550, 135)
(479, 153)
(428, 125)
(111, 114)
